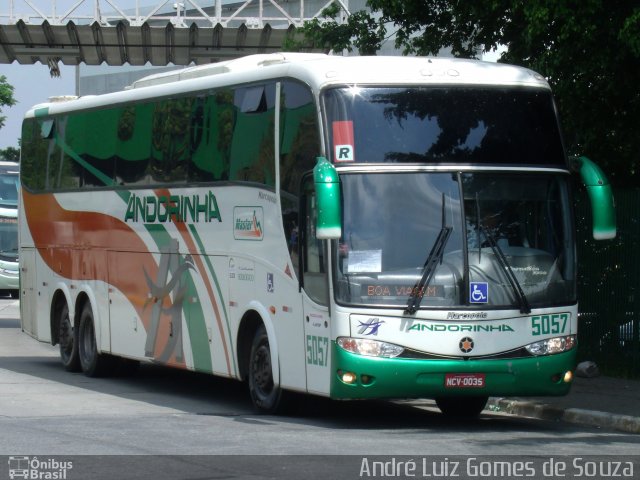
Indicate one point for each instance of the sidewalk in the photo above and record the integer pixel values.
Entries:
(606, 402)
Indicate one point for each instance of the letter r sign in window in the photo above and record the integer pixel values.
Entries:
(343, 141)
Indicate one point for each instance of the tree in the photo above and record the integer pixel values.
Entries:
(589, 50)
(10, 154)
(6, 97)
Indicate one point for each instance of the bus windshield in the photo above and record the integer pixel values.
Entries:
(508, 242)
(8, 217)
(8, 238)
(8, 189)
(443, 125)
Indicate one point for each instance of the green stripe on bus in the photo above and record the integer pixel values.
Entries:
(198, 240)
(196, 325)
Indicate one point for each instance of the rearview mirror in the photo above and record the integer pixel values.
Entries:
(601, 197)
(327, 183)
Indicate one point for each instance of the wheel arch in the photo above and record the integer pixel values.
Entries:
(81, 300)
(87, 297)
(59, 298)
(255, 316)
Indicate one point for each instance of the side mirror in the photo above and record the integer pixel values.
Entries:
(327, 182)
(601, 196)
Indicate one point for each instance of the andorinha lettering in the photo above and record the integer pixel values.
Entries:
(173, 208)
(439, 327)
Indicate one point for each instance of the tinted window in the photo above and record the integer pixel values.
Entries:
(443, 125)
(223, 135)
(299, 147)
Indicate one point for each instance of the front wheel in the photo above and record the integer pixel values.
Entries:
(93, 363)
(266, 396)
(461, 406)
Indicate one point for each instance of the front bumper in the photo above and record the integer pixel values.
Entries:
(413, 378)
(9, 280)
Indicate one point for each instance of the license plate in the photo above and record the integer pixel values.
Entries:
(464, 380)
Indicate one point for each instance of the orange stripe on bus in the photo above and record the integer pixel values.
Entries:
(74, 244)
(191, 247)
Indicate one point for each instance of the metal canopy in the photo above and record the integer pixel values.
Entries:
(118, 32)
(123, 43)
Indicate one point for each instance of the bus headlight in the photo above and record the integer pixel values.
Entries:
(552, 345)
(369, 348)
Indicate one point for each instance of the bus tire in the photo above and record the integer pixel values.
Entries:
(461, 406)
(93, 364)
(67, 339)
(265, 395)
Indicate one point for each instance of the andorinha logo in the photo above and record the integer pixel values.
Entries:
(38, 468)
(441, 327)
(173, 208)
(247, 223)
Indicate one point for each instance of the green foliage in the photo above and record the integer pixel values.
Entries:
(589, 50)
(360, 31)
(6, 97)
(10, 154)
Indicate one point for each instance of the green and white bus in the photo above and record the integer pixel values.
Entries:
(9, 271)
(353, 228)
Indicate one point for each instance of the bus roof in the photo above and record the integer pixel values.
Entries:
(317, 70)
(9, 167)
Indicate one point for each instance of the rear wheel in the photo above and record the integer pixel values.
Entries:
(68, 341)
(266, 396)
(461, 406)
(93, 363)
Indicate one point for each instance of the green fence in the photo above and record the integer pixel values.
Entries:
(608, 288)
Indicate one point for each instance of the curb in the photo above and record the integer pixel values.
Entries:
(579, 416)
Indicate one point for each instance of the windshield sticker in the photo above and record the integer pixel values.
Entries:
(361, 261)
(343, 141)
(479, 292)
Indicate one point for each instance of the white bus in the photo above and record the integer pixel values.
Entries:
(9, 271)
(347, 227)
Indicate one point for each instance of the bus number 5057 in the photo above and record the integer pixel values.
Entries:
(317, 350)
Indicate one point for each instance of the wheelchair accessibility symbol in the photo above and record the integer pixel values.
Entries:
(479, 292)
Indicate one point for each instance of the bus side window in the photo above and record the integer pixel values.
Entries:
(313, 265)
(299, 147)
(252, 151)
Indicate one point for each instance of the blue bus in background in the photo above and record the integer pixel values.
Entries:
(9, 270)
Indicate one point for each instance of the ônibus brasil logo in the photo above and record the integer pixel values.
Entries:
(38, 468)
(247, 223)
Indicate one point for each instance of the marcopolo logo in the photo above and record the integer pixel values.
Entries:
(38, 468)
(247, 223)
(370, 327)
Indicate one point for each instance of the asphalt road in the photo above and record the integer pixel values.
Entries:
(50, 413)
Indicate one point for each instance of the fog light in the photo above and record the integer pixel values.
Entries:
(366, 379)
(568, 377)
(348, 377)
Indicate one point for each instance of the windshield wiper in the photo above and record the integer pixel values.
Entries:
(515, 285)
(429, 268)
